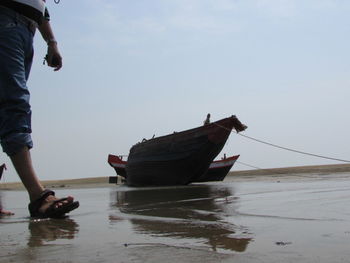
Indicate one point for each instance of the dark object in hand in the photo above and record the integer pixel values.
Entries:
(54, 61)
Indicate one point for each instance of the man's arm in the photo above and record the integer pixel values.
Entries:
(54, 58)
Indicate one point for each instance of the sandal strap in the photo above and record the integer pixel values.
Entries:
(46, 193)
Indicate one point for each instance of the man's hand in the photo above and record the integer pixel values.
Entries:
(53, 57)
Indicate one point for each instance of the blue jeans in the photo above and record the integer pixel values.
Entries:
(16, 55)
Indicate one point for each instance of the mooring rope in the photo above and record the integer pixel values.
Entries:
(249, 165)
(286, 148)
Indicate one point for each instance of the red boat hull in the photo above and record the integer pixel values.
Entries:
(218, 170)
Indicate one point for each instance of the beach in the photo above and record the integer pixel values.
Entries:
(290, 217)
(244, 175)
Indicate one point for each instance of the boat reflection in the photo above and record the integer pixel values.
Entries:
(196, 211)
(43, 231)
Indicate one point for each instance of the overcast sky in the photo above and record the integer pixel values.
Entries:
(134, 68)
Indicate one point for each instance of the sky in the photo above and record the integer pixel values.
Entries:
(137, 68)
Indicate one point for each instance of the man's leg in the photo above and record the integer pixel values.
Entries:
(16, 52)
(22, 162)
(2, 211)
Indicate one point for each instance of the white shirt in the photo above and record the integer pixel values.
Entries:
(37, 4)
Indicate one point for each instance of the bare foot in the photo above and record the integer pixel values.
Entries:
(6, 213)
(51, 199)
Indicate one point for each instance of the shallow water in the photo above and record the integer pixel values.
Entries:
(270, 219)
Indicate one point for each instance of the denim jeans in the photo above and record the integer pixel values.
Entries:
(16, 55)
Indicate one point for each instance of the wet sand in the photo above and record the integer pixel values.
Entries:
(249, 218)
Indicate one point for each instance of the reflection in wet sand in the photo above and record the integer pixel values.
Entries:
(291, 219)
(196, 212)
(43, 231)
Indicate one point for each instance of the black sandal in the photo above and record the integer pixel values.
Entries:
(51, 211)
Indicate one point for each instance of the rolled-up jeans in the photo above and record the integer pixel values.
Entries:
(16, 55)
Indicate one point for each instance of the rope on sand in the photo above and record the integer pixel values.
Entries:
(249, 165)
(286, 148)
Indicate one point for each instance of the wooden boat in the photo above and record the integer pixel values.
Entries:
(179, 158)
(217, 170)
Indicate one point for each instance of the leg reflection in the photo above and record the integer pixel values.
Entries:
(49, 230)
